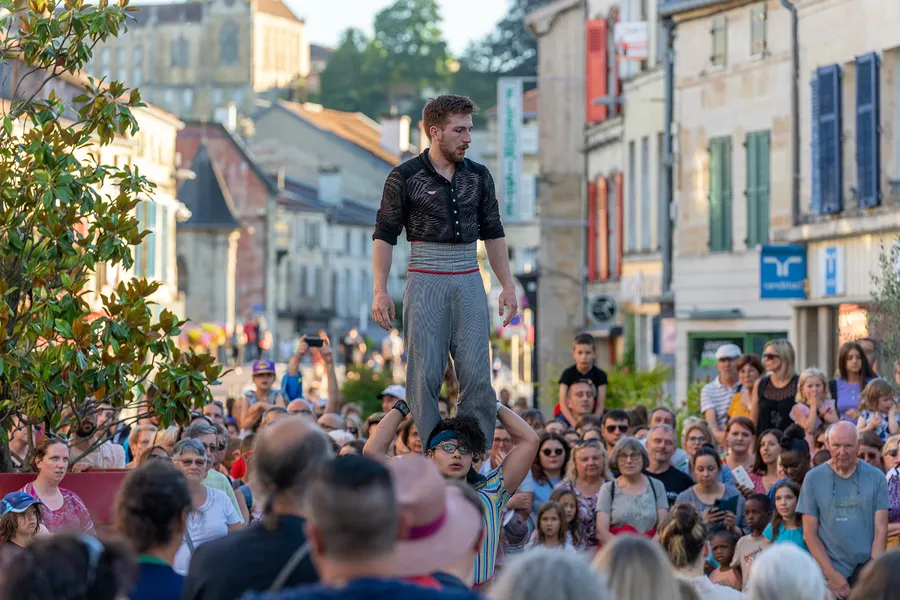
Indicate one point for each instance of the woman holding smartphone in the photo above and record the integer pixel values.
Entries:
(721, 505)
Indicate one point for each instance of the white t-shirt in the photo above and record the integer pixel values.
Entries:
(707, 590)
(209, 522)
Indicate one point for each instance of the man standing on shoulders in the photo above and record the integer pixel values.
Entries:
(660, 449)
(844, 503)
(353, 533)
(285, 457)
(447, 203)
(715, 397)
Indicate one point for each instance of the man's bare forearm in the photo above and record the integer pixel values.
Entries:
(382, 256)
(379, 444)
(498, 256)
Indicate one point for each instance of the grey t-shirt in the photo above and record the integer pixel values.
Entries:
(846, 511)
(690, 496)
(637, 510)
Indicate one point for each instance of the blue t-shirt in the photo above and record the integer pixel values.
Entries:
(364, 589)
(156, 581)
(787, 536)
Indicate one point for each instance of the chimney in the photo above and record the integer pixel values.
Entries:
(280, 179)
(395, 132)
(330, 185)
(227, 116)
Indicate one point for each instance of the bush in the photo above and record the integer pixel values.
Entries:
(362, 386)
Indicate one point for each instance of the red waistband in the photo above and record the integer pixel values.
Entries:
(443, 272)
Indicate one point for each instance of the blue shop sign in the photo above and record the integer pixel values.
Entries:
(782, 272)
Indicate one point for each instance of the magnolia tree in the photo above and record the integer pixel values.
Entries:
(884, 310)
(62, 214)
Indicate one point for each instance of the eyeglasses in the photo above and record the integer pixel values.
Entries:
(819, 445)
(57, 436)
(893, 452)
(503, 441)
(770, 356)
(613, 428)
(867, 456)
(214, 447)
(552, 451)
(450, 448)
(187, 462)
(158, 457)
(696, 439)
(628, 457)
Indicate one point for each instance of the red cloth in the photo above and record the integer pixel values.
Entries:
(425, 581)
(629, 530)
(239, 468)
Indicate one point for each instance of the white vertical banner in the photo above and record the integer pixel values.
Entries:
(509, 119)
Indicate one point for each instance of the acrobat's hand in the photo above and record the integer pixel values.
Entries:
(509, 306)
(383, 310)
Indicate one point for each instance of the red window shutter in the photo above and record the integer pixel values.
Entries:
(592, 231)
(620, 221)
(603, 233)
(597, 69)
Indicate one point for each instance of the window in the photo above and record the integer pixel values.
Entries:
(301, 281)
(137, 64)
(827, 155)
(631, 225)
(121, 72)
(758, 152)
(181, 52)
(663, 213)
(312, 235)
(187, 99)
(718, 41)
(169, 98)
(104, 63)
(150, 240)
(645, 193)
(528, 198)
(720, 194)
(229, 44)
(758, 30)
(868, 133)
(163, 243)
(217, 98)
(348, 242)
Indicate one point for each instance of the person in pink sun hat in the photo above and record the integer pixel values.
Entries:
(442, 528)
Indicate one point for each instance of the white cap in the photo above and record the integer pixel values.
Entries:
(397, 391)
(727, 351)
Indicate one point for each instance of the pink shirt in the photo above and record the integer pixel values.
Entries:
(73, 515)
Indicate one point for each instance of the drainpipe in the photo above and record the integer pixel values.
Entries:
(795, 110)
(667, 194)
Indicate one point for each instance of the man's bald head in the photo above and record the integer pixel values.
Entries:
(843, 442)
(332, 422)
(287, 454)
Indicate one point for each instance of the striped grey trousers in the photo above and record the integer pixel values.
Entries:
(445, 312)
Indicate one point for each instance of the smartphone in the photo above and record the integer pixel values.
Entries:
(742, 478)
(729, 505)
(314, 341)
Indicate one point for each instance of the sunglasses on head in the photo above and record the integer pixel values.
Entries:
(57, 436)
(613, 428)
(552, 451)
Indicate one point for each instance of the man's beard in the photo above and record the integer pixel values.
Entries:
(85, 431)
(450, 153)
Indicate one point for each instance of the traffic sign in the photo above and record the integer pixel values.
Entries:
(603, 310)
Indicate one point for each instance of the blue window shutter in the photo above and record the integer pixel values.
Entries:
(816, 185)
(868, 137)
(830, 152)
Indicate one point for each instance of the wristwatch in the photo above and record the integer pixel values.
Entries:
(401, 406)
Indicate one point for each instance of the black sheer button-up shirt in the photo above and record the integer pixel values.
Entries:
(433, 209)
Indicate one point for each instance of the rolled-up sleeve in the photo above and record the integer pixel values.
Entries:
(490, 227)
(392, 215)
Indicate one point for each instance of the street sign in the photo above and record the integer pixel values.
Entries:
(831, 265)
(631, 39)
(782, 272)
(603, 310)
(510, 120)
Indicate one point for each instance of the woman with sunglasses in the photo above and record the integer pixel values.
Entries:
(775, 394)
(585, 475)
(212, 515)
(548, 468)
(892, 465)
(62, 509)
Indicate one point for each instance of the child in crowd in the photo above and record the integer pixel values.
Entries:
(812, 392)
(821, 457)
(723, 544)
(584, 353)
(569, 502)
(879, 409)
(19, 523)
(551, 530)
(787, 523)
(758, 513)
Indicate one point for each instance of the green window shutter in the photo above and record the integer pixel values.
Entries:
(720, 195)
(726, 194)
(757, 188)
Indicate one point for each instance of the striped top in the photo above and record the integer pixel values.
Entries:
(493, 496)
(717, 395)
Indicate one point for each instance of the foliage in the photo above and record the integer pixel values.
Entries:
(406, 58)
(362, 386)
(62, 215)
(691, 406)
(628, 387)
(884, 311)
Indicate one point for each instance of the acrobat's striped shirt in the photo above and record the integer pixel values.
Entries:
(493, 496)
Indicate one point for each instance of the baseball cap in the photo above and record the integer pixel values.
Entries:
(727, 351)
(18, 502)
(397, 391)
(263, 367)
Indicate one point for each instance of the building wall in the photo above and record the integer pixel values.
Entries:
(210, 260)
(283, 140)
(749, 93)
(281, 51)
